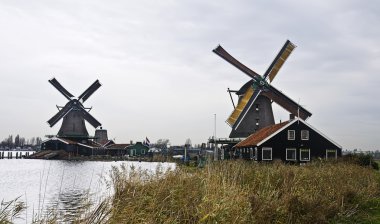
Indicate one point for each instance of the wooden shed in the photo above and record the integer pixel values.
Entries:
(138, 149)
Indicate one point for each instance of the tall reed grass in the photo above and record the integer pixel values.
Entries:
(242, 192)
(11, 210)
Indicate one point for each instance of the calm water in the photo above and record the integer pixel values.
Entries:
(61, 184)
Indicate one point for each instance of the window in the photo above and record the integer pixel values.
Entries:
(257, 107)
(291, 154)
(304, 134)
(267, 154)
(291, 134)
(304, 154)
(331, 154)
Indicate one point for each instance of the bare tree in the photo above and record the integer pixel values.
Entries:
(17, 141)
(10, 141)
(161, 143)
(22, 142)
(38, 141)
(32, 141)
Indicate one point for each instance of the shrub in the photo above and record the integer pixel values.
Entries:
(362, 160)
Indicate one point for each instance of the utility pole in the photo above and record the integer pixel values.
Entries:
(215, 145)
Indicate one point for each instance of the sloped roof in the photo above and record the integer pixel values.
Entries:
(260, 135)
(89, 144)
(138, 145)
(109, 142)
(117, 146)
(64, 140)
(263, 135)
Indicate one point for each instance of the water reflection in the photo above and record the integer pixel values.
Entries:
(70, 205)
(59, 190)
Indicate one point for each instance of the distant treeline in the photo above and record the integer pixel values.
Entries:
(17, 141)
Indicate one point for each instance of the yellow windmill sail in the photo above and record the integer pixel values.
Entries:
(239, 108)
(281, 60)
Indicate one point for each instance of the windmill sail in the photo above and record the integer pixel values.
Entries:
(60, 114)
(239, 108)
(248, 106)
(279, 60)
(89, 91)
(60, 88)
(287, 103)
(226, 56)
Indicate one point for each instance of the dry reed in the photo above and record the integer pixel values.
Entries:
(242, 192)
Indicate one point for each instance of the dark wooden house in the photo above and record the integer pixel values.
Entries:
(292, 141)
(73, 148)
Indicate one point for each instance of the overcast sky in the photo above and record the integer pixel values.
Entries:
(160, 78)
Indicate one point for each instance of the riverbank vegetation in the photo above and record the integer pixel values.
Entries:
(246, 192)
(233, 192)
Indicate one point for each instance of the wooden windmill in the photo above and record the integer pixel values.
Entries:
(254, 109)
(74, 113)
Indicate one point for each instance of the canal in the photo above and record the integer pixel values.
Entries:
(63, 185)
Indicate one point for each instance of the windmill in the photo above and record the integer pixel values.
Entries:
(254, 109)
(74, 113)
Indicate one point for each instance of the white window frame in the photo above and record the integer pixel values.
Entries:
(262, 153)
(307, 134)
(294, 135)
(301, 156)
(336, 153)
(295, 153)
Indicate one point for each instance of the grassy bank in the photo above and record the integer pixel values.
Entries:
(232, 192)
(245, 192)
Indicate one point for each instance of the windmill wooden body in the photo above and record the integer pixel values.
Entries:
(254, 109)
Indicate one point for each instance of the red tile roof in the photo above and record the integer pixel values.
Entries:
(260, 135)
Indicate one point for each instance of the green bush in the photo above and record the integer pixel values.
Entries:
(362, 160)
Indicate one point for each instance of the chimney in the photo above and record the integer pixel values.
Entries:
(291, 117)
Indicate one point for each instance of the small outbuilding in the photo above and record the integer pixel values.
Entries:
(138, 149)
(291, 141)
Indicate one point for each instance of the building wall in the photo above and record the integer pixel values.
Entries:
(56, 145)
(138, 149)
